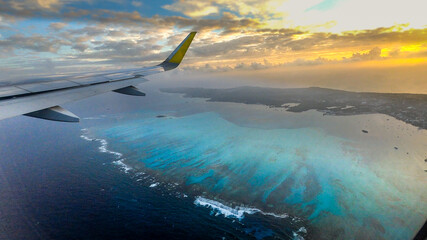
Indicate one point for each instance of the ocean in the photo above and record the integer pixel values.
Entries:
(170, 167)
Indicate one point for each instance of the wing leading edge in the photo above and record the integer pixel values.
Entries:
(42, 99)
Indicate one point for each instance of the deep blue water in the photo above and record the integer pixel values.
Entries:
(207, 170)
(55, 185)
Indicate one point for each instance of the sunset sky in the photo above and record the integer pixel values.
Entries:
(361, 45)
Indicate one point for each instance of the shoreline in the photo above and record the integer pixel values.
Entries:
(409, 108)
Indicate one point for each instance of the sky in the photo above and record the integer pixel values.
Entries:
(358, 45)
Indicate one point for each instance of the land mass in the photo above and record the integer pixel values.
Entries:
(410, 108)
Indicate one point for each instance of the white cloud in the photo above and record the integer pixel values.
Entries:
(344, 15)
(193, 8)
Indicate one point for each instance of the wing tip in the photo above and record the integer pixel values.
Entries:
(178, 54)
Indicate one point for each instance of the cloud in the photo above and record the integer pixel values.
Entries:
(256, 9)
(49, 4)
(81, 47)
(227, 22)
(18, 9)
(232, 46)
(312, 14)
(122, 51)
(373, 54)
(115, 33)
(236, 35)
(57, 26)
(224, 49)
(36, 42)
(193, 8)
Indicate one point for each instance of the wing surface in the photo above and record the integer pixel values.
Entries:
(42, 99)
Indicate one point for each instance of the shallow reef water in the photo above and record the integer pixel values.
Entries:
(236, 161)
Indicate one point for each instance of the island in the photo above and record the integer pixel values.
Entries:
(410, 108)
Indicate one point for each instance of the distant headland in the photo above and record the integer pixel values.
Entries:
(410, 108)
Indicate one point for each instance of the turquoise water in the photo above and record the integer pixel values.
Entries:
(306, 172)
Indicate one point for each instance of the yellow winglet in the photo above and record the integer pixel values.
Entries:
(178, 54)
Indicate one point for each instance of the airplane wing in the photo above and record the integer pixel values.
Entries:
(42, 99)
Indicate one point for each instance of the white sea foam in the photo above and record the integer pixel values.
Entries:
(302, 230)
(236, 212)
(104, 149)
(219, 208)
(86, 138)
(297, 236)
(122, 165)
(154, 185)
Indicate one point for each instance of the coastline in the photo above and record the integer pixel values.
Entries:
(409, 108)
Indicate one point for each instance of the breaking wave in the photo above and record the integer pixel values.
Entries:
(221, 209)
(104, 149)
(236, 212)
(240, 211)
